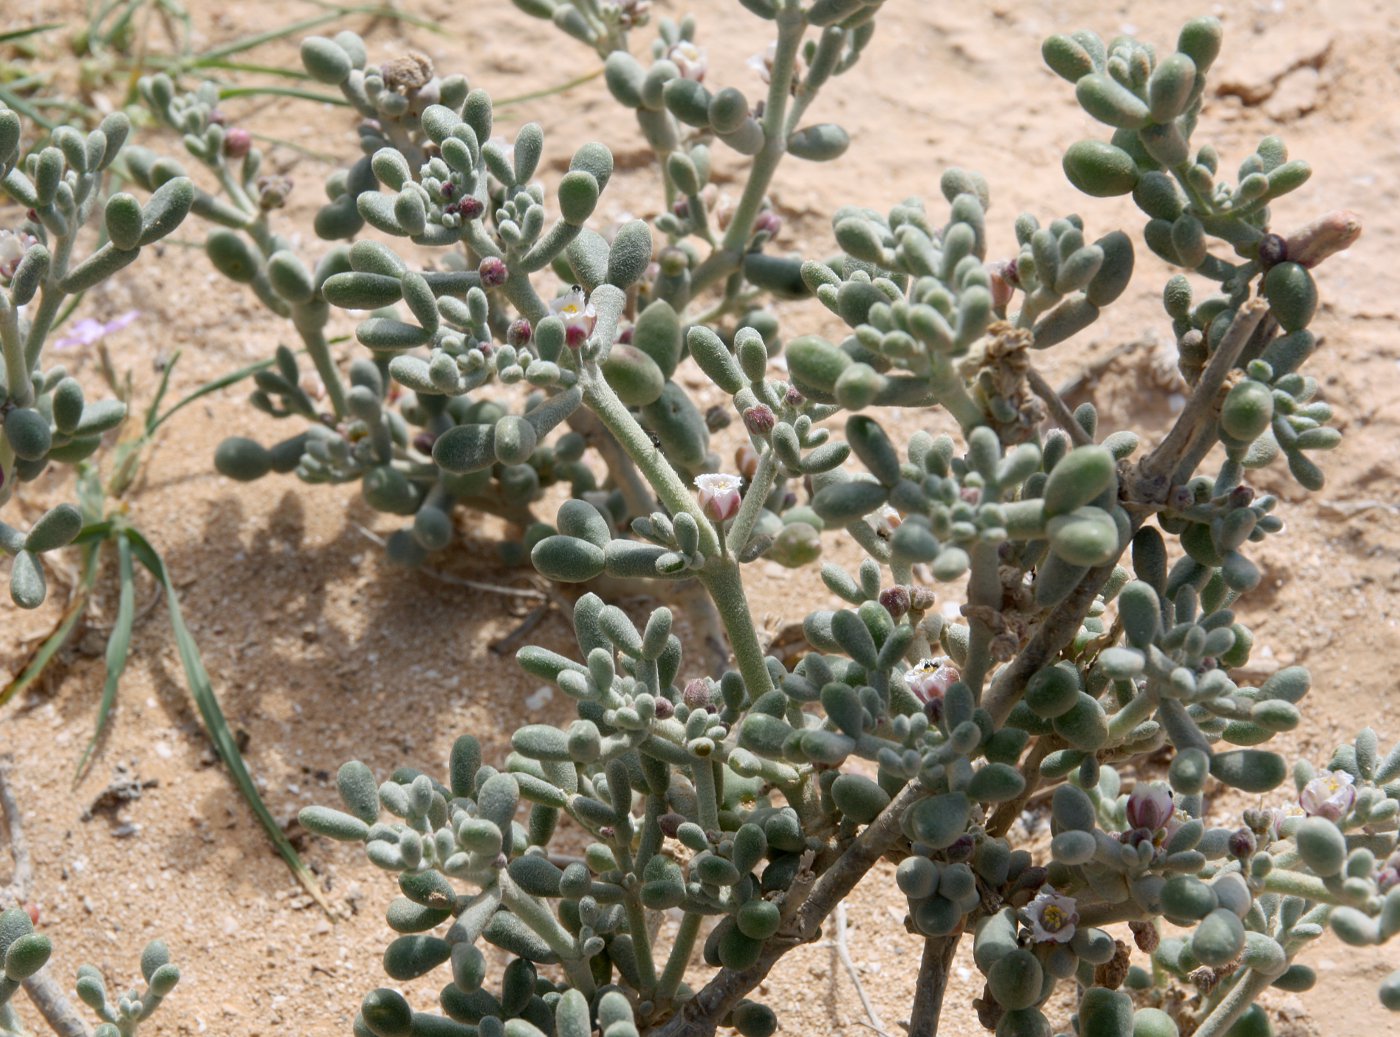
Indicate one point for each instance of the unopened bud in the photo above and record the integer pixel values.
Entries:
(237, 142)
(1242, 843)
(519, 333)
(758, 420)
(895, 601)
(697, 693)
(493, 272)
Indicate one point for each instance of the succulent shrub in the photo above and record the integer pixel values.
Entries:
(1096, 660)
(45, 261)
(24, 954)
(421, 421)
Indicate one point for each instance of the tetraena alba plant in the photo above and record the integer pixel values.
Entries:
(24, 953)
(1096, 657)
(46, 417)
(421, 422)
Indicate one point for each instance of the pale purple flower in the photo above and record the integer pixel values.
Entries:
(1150, 806)
(1052, 916)
(88, 331)
(931, 678)
(690, 59)
(719, 495)
(578, 315)
(1330, 795)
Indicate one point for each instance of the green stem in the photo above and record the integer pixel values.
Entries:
(320, 352)
(984, 589)
(950, 391)
(17, 381)
(726, 589)
(759, 487)
(669, 487)
(539, 918)
(50, 298)
(641, 946)
(679, 957)
(706, 795)
(791, 27)
(1248, 986)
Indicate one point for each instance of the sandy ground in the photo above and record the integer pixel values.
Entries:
(321, 652)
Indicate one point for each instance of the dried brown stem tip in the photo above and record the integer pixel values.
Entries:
(1324, 236)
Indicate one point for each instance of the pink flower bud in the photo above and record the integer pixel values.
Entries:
(895, 600)
(519, 333)
(719, 495)
(237, 142)
(493, 272)
(696, 694)
(758, 420)
(1150, 806)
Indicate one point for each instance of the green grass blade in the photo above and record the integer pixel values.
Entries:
(549, 91)
(215, 723)
(118, 650)
(34, 30)
(205, 389)
(281, 91)
(161, 390)
(243, 66)
(258, 39)
(26, 109)
(39, 661)
(388, 13)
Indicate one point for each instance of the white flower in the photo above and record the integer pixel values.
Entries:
(578, 315)
(1052, 916)
(1330, 795)
(763, 63)
(887, 520)
(719, 495)
(690, 59)
(13, 246)
(931, 678)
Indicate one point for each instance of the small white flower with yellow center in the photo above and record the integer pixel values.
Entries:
(690, 59)
(578, 315)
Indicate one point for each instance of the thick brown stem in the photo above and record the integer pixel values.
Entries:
(1152, 483)
(934, 968)
(700, 1015)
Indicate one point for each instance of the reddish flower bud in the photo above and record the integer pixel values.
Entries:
(493, 272)
(237, 142)
(1242, 843)
(696, 694)
(895, 601)
(759, 420)
(519, 333)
